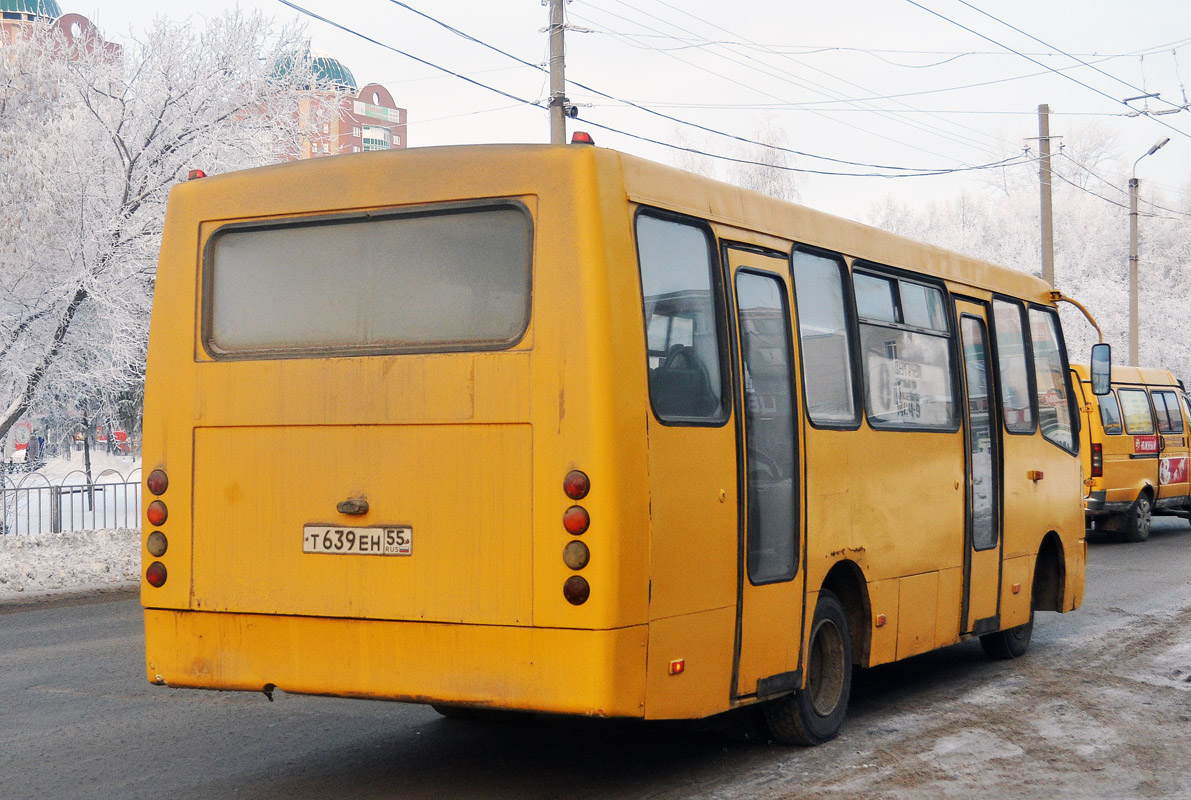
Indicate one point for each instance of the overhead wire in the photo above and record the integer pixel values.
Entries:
(845, 162)
(804, 50)
(1039, 63)
(1117, 188)
(892, 115)
(1060, 50)
(1110, 201)
(410, 56)
(1008, 162)
(753, 88)
(806, 83)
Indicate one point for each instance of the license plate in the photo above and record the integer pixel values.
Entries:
(374, 541)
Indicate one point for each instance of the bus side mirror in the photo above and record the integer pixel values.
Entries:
(1101, 369)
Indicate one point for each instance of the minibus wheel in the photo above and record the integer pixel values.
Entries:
(814, 715)
(1012, 643)
(1137, 520)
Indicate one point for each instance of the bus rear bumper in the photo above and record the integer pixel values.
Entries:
(594, 673)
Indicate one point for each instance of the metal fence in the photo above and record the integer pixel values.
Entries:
(33, 503)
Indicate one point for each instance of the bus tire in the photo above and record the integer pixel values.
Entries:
(814, 715)
(1138, 519)
(1011, 643)
(453, 712)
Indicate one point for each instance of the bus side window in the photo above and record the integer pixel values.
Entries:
(1016, 408)
(1135, 409)
(1166, 405)
(1050, 379)
(1110, 414)
(824, 336)
(680, 321)
(907, 354)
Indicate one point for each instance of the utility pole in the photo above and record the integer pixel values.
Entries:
(1133, 187)
(1133, 268)
(1048, 236)
(558, 84)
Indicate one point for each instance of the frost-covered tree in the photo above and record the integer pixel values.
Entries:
(761, 163)
(91, 141)
(765, 167)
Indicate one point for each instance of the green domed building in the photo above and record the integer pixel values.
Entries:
(29, 10)
(332, 72)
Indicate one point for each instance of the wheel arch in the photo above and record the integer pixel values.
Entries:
(846, 580)
(1050, 574)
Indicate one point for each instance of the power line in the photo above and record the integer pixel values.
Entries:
(410, 56)
(807, 50)
(1117, 188)
(1039, 63)
(1110, 201)
(1059, 50)
(1008, 162)
(719, 74)
(903, 171)
(784, 75)
(845, 162)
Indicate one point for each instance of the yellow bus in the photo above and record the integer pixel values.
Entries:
(557, 429)
(1136, 445)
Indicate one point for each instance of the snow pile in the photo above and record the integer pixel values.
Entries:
(49, 563)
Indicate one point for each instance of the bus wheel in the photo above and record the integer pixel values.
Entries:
(1137, 520)
(1012, 643)
(454, 712)
(813, 715)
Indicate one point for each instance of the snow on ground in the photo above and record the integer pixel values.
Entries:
(40, 564)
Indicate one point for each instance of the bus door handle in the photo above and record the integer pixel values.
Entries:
(353, 505)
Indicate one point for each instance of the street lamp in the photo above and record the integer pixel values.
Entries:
(1133, 249)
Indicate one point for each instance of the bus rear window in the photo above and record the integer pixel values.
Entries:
(440, 279)
(1110, 414)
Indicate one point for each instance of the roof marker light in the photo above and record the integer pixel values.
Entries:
(195, 174)
(581, 137)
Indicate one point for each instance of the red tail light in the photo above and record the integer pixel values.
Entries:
(157, 513)
(155, 574)
(576, 520)
(576, 590)
(1097, 461)
(157, 482)
(576, 485)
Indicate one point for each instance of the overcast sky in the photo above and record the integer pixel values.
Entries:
(875, 82)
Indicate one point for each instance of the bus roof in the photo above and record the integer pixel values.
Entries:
(668, 187)
(429, 171)
(1148, 376)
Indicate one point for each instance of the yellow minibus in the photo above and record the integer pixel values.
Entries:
(553, 428)
(1136, 443)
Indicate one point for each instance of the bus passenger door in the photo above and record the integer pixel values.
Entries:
(982, 434)
(769, 583)
(1173, 447)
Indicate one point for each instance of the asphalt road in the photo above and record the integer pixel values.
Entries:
(1099, 708)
